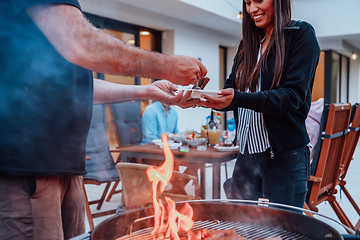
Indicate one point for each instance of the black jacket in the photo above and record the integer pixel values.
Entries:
(284, 108)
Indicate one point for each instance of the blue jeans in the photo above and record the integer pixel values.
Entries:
(282, 179)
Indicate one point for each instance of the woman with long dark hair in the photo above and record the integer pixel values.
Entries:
(269, 90)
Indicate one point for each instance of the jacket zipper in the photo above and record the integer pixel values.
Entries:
(272, 155)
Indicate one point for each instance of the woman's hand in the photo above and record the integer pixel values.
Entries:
(223, 99)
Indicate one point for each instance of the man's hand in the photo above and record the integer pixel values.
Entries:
(166, 92)
(185, 70)
(223, 100)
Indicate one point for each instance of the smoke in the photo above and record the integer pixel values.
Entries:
(45, 101)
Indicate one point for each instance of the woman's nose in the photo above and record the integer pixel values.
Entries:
(253, 8)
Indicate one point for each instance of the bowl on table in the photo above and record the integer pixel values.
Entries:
(195, 142)
(178, 138)
(171, 136)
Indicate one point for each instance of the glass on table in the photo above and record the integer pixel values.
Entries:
(202, 144)
(214, 136)
(184, 148)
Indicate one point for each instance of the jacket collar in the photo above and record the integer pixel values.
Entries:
(294, 25)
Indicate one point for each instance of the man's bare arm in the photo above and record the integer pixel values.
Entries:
(81, 43)
(162, 91)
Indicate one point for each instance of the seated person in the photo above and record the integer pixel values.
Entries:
(157, 119)
(312, 123)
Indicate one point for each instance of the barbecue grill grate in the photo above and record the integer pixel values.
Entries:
(248, 231)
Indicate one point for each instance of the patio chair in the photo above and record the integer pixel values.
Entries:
(100, 167)
(137, 188)
(325, 168)
(350, 146)
(126, 122)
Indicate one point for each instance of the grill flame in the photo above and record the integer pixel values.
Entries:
(166, 217)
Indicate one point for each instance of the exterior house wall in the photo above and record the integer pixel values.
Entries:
(329, 17)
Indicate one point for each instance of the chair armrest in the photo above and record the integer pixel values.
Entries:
(187, 176)
(315, 179)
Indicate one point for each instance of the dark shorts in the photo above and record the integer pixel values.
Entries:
(281, 180)
(44, 207)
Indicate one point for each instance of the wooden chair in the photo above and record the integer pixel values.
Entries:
(100, 165)
(326, 168)
(350, 146)
(126, 122)
(137, 188)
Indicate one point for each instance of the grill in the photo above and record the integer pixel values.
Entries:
(248, 218)
(248, 231)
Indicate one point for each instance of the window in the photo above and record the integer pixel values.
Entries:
(332, 78)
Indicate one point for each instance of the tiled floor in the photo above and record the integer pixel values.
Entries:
(352, 179)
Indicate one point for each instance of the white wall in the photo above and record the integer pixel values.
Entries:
(329, 17)
(167, 42)
(200, 43)
(354, 82)
(227, 9)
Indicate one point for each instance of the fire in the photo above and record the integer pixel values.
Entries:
(166, 217)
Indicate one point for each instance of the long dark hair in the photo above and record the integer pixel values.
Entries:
(248, 71)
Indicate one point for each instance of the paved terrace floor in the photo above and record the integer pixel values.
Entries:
(352, 179)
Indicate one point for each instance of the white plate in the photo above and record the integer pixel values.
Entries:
(172, 145)
(197, 93)
(159, 141)
(226, 149)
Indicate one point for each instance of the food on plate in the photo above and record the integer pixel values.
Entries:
(210, 234)
(223, 144)
(194, 139)
(179, 137)
(192, 135)
(202, 82)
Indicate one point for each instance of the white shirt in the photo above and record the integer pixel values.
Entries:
(251, 128)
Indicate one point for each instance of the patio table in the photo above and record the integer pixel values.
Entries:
(210, 156)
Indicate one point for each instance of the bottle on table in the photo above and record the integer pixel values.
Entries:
(214, 130)
(231, 130)
(204, 127)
